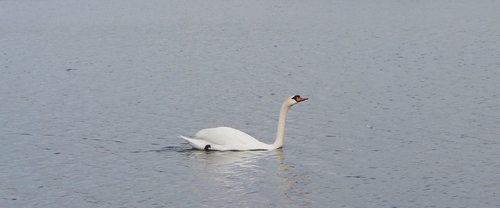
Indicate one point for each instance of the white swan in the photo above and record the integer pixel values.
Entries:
(226, 138)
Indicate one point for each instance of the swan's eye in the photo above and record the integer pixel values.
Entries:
(295, 97)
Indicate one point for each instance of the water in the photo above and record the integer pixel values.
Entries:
(402, 110)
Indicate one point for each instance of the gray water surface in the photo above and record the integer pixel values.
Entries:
(403, 106)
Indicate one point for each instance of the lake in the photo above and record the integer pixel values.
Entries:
(403, 106)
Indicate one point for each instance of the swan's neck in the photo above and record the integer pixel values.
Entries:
(281, 126)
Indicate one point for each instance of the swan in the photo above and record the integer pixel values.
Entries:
(226, 138)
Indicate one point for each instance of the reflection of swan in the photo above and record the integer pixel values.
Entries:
(225, 138)
(232, 162)
(236, 174)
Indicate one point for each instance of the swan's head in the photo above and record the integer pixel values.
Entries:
(292, 100)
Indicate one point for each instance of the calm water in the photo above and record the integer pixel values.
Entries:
(403, 106)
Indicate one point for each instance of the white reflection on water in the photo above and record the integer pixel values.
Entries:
(231, 161)
(236, 174)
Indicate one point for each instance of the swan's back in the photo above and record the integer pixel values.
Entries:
(227, 138)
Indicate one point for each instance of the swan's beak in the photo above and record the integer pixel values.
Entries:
(299, 99)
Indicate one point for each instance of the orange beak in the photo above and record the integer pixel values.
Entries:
(299, 99)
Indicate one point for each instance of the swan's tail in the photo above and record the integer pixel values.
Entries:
(195, 143)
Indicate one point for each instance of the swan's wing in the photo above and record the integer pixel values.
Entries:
(229, 138)
(225, 135)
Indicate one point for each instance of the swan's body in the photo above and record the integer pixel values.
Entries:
(226, 138)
